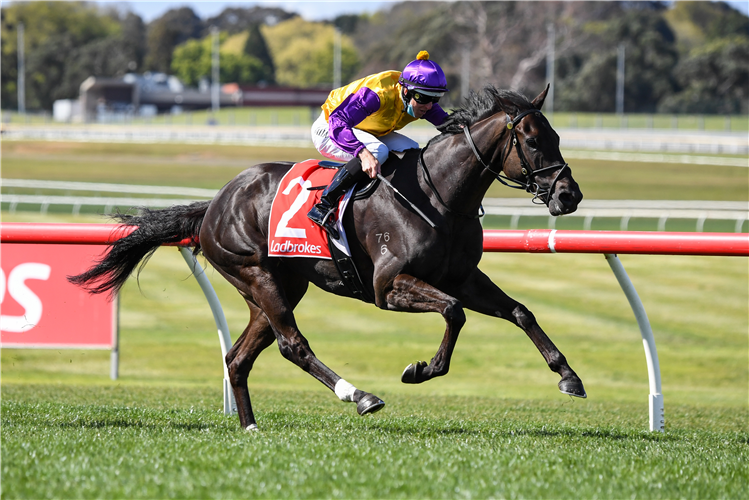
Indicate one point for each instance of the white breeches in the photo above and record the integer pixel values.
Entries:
(380, 147)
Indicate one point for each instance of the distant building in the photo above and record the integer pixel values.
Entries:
(112, 99)
(276, 96)
(145, 94)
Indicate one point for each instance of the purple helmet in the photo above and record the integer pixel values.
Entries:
(424, 75)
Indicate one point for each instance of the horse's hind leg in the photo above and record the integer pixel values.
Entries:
(277, 302)
(255, 339)
(241, 357)
(480, 294)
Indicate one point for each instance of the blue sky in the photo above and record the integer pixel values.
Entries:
(310, 10)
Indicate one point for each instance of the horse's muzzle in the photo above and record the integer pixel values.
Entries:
(566, 197)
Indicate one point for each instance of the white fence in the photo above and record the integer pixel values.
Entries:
(642, 140)
(663, 210)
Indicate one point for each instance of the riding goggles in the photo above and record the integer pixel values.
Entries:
(422, 98)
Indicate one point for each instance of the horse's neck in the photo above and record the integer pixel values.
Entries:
(457, 174)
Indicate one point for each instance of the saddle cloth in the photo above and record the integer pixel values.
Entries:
(290, 232)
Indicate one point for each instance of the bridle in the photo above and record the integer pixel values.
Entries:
(529, 183)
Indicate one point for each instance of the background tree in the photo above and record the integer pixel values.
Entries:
(175, 27)
(681, 56)
(193, 60)
(713, 70)
(714, 79)
(52, 30)
(587, 79)
(505, 41)
(235, 20)
(302, 52)
(255, 47)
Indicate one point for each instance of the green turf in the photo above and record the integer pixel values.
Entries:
(494, 427)
(146, 442)
(213, 166)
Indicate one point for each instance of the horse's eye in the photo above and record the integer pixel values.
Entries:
(531, 142)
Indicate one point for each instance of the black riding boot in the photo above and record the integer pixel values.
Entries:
(322, 213)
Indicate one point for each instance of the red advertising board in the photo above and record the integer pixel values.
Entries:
(39, 308)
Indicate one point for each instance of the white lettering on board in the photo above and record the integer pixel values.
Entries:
(16, 286)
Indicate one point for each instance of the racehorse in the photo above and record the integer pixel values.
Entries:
(496, 135)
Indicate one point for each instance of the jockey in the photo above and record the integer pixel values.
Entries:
(358, 125)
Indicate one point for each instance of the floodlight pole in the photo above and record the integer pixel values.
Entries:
(337, 58)
(215, 67)
(21, 71)
(550, 43)
(620, 80)
(465, 73)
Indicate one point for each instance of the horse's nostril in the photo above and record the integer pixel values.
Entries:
(567, 199)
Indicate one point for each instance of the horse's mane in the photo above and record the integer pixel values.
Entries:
(477, 106)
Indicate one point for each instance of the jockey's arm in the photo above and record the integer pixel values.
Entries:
(436, 116)
(352, 111)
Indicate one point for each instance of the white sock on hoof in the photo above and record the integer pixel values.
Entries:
(344, 390)
(252, 427)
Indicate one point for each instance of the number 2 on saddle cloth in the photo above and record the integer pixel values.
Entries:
(290, 232)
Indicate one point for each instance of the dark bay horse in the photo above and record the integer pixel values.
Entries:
(405, 264)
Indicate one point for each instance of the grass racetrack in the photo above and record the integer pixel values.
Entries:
(494, 427)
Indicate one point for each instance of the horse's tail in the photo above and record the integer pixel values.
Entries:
(155, 227)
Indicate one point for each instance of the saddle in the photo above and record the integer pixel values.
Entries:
(291, 234)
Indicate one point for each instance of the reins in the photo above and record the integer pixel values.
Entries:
(428, 179)
(529, 184)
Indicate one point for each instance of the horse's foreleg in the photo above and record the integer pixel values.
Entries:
(269, 296)
(410, 294)
(480, 294)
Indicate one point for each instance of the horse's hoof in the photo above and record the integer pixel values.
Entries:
(369, 404)
(411, 375)
(572, 386)
(252, 428)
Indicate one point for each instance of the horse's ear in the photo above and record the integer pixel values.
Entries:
(540, 98)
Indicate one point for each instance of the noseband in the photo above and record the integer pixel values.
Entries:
(529, 183)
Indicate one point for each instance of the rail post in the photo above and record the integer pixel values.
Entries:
(224, 339)
(656, 411)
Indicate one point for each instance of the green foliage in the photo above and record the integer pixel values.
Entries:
(705, 21)
(193, 61)
(684, 57)
(714, 78)
(302, 52)
(649, 61)
(175, 27)
(256, 47)
(394, 52)
(239, 19)
(54, 33)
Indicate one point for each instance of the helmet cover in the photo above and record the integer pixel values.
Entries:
(424, 75)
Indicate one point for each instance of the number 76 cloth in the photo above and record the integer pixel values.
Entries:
(290, 232)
